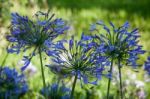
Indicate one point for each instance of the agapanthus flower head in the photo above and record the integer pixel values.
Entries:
(38, 33)
(77, 58)
(56, 91)
(118, 42)
(147, 65)
(12, 84)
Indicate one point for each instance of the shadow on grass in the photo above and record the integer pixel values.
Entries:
(139, 7)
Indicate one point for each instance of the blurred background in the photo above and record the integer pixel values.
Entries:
(80, 14)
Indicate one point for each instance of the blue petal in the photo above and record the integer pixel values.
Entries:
(85, 38)
(94, 82)
(85, 79)
(126, 24)
(107, 29)
(71, 42)
(112, 25)
(93, 27)
(26, 63)
(100, 23)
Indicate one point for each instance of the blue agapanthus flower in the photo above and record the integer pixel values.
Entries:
(77, 58)
(38, 33)
(12, 84)
(56, 91)
(147, 65)
(117, 42)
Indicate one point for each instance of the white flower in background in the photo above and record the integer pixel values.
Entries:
(127, 82)
(31, 69)
(133, 76)
(146, 77)
(139, 84)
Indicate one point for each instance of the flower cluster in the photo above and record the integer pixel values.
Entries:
(118, 43)
(147, 65)
(12, 85)
(56, 91)
(39, 33)
(77, 59)
(83, 59)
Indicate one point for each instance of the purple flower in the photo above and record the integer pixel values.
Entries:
(56, 91)
(77, 58)
(119, 43)
(38, 33)
(12, 84)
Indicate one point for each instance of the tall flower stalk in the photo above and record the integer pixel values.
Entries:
(5, 58)
(73, 86)
(118, 44)
(37, 34)
(109, 79)
(42, 70)
(120, 78)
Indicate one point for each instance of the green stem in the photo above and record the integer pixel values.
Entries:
(109, 81)
(42, 71)
(119, 68)
(73, 87)
(3, 62)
